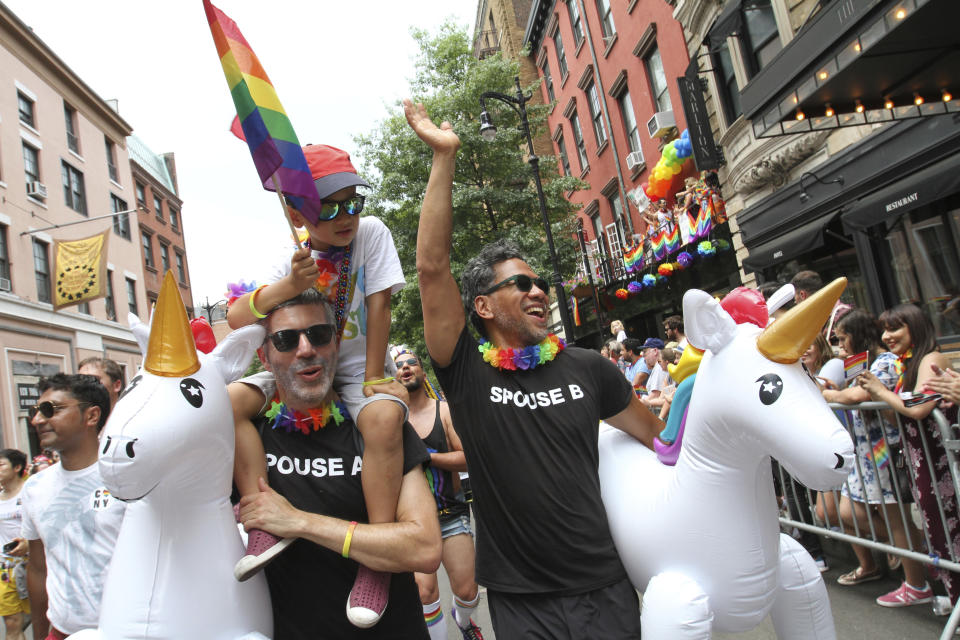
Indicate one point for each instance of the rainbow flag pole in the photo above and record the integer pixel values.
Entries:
(273, 144)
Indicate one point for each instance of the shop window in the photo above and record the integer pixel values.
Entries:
(926, 266)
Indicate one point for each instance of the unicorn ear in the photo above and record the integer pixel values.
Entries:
(232, 356)
(140, 331)
(708, 325)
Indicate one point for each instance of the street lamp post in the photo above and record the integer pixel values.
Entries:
(488, 132)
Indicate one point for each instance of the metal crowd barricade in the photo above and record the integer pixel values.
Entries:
(878, 536)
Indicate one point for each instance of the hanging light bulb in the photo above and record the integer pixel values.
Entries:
(917, 99)
(859, 107)
(888, 104)
(800, 115)
(946, 95)
(829, 111)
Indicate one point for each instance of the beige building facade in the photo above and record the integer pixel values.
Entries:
(64, 168)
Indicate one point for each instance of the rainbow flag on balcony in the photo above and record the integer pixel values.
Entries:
(272, 141)
(633, 258)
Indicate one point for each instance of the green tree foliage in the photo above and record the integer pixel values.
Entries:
(493, 194)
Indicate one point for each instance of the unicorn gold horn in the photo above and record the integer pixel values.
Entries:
(785, 340)
(171, 351)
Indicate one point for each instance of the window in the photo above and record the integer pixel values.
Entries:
(84, 307)
(70, 122)
(561, 56)
(132, 295)
(74, 194)
(606, 20)
(575, 24)
(121, 223)
(629, 121)
(596, 114)
(31, 165)
(158, 207)
(141, 194)
(4, 254)
(564, 160)
(548, 81)
(762, 41)
(41, 269)
(727, 83)
(174, 219)
(111, 150)
(25, 109)
(578, 141)
(181, 268)
(147, 241)
(109, 300)
(658, 80)
(164, 256)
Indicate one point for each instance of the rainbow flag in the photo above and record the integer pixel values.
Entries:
(633, 258)
(881, 454)
(702, 226)
(855, 365)
(658, 242)
(671, 238)
(273, 144)
(576, 311)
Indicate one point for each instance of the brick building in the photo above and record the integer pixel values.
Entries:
(161, 228)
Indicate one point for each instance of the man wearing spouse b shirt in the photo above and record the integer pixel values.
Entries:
(528, 425)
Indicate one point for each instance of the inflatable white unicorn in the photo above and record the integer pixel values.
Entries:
(701, 538)
(168, 450)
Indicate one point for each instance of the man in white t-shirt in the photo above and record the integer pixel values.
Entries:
(69, 519)
(655, 383)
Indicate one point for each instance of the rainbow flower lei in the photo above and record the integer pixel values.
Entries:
(295, 421)
(522, 359)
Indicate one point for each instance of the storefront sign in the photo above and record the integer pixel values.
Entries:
(896, 204)
(27, 395)
(706, 155)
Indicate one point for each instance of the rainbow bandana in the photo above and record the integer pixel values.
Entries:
(522, 359)
(900, 366)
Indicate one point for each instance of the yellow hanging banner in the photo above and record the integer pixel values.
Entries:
(81, 270)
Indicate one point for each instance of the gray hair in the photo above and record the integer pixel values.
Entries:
(478, 275)
(307, 296)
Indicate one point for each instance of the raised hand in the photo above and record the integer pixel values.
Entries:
(441, 139)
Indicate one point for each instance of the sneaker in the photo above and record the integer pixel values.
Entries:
(469, 633)
(906, 596)
(368, 597)
(262, 547)
(821, 564)
(858, 576)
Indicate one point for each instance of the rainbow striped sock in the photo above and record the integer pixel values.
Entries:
(436, 623)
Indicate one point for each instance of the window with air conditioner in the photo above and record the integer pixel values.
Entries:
(31, 170)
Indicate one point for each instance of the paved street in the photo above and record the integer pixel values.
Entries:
(854, 611)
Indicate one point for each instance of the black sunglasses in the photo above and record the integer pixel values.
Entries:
(524, 283)
(288, 339)
(48, 409)
(412, 362)
(330, 209)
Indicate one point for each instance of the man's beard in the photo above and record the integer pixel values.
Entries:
(305, 395)
(414, 384)
(528, 336)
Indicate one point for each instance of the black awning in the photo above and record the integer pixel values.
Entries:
(860, 62)
(916, 190)
(728, 22)
(789, 245)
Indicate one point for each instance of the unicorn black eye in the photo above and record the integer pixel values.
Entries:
(106, 445)
(771, 386)
(192, 390)
(130, 453)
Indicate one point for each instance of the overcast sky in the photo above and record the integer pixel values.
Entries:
(338, 66)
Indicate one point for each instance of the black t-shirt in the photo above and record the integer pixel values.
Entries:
(309, 584)
(530, 439)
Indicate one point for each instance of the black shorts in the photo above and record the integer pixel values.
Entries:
(609, 613)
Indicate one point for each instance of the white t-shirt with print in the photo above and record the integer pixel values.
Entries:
(78, 521)
(374, 266)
